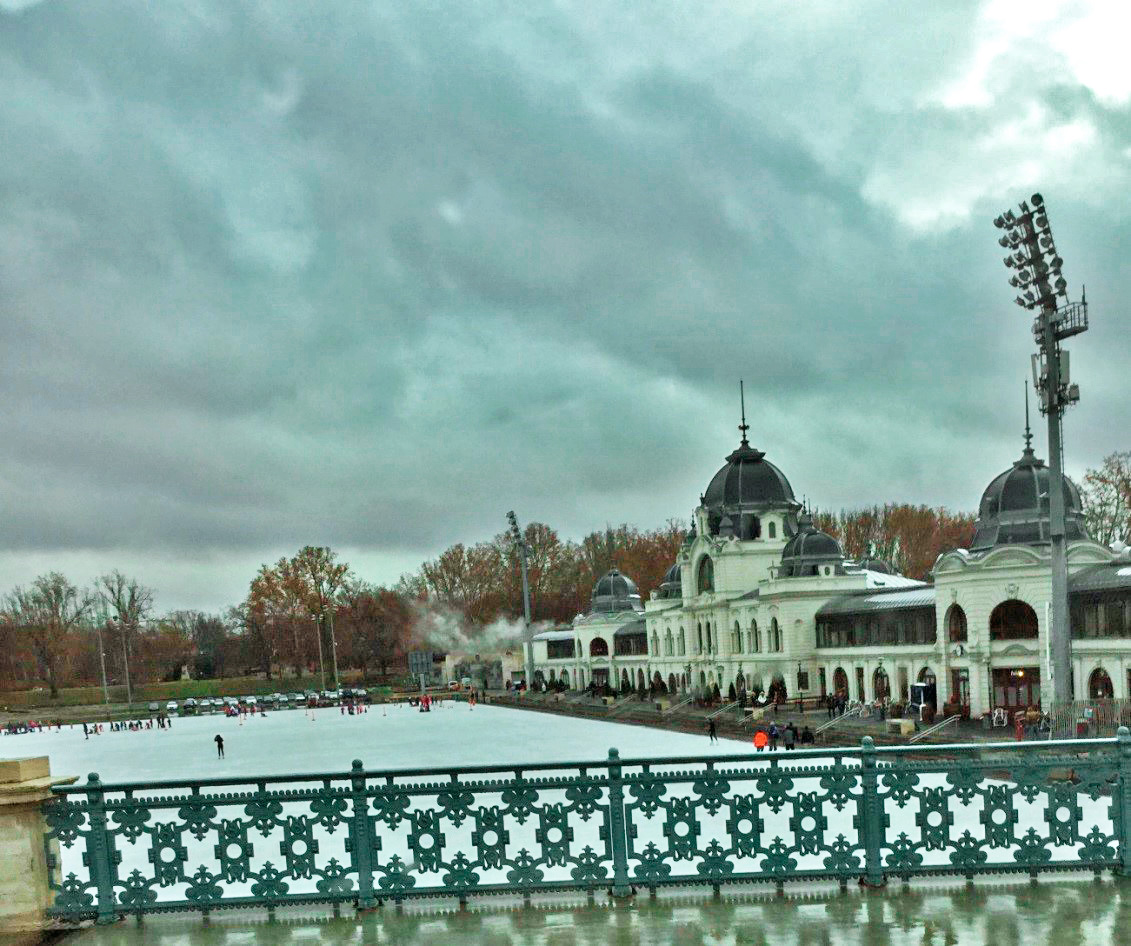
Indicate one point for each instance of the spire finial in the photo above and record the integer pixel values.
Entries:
(743, 427)
(1028, 432)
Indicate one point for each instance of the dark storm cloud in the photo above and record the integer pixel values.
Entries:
(370, 275)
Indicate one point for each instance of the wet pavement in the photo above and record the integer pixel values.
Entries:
(1075, 912)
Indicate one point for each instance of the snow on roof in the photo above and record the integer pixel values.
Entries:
(554, 635)
(920, 597)
(885, 580)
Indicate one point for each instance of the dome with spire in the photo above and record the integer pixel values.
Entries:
(615, 592)
(749, 484)
(809, 551)
(1015, 506)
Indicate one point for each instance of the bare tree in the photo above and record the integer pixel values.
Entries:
(131, 602)
(48, 613)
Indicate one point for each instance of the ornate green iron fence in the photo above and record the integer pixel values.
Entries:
(618, 825)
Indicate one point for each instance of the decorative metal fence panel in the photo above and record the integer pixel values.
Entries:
(618, 825)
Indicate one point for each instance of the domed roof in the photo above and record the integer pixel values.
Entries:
(1015, 507)
(877, 565)
(809, 547)
(615, 592)
(672, 585)
(748, 480)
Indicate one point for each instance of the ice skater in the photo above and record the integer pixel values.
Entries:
(714, 736)
(219, 740)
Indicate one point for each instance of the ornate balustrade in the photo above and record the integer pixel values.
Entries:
(363, 837)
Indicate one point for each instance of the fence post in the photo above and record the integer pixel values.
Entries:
(617, 828)
(1123, 761)
(871, 815)
(361, 838)
(101, 857)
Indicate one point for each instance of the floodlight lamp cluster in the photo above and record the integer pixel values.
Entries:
(1037, 265)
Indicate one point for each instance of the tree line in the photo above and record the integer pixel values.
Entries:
(311, 608)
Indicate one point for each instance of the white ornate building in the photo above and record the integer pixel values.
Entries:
(759, 597)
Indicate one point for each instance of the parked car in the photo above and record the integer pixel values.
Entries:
(284, 700)
(190, 706)
(251, 701)
(171, 706)
(154, 707)
(298, 698)
(311, 697)
(204, 705)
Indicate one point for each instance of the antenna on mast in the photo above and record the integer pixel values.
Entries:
(1028, 432)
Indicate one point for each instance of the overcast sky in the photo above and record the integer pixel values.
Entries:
(369, 275)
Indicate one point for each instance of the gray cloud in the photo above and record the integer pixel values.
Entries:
(372, 275)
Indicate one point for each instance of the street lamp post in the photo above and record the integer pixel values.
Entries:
(1040, 284)
(122, 627)
(321, 662)
(102, 663)
(334, 651)
(527, 635)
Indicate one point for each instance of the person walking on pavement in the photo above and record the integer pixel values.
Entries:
(219, 740)
(711, 730)
(773, 737)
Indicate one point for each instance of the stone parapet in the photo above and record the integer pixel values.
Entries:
(25, 892)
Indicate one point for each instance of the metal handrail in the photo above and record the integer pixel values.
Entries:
(726, 708)
(935, 728)
(675, 706)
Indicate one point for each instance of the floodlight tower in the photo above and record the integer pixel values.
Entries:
(527, 634)
(1040, 285)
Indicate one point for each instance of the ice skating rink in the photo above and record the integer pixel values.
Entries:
(288, 742)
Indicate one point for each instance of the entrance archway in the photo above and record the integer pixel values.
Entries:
(1099, 685)
(640, 679)
(840, 682)
(598, 647)
(624, 684)
(1013, 620)
(671, 683)
(880, 685)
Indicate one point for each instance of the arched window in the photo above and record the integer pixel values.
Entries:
(775, 635)
(840, 682)
(755, 638)
(706, 574)
(699, 633)
(668, 644)
(956, 624)
(671, 683)
(736, 638)
(598, 647)
(682, 642)
(655, 644)
(1099, 685)
(710, 646)
(1012, 620)
(772, 529)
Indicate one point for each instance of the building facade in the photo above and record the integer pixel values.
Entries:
(760, 600)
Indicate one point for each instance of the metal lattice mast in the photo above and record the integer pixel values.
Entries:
(1040, 283)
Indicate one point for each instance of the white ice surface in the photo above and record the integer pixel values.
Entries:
(288, 742)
